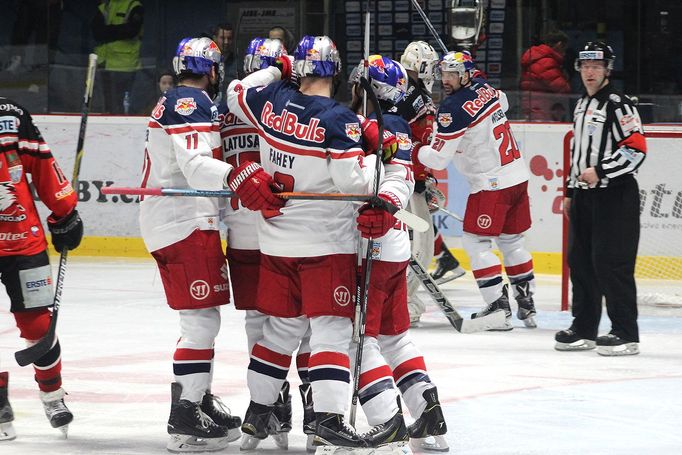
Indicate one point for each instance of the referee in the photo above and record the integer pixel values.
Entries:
(602, 204)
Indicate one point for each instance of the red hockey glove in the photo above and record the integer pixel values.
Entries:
(421, 172)
(375, 222)
(283, 63)
(67, 231)
(370, 133)
(254, 187)
(422, 129)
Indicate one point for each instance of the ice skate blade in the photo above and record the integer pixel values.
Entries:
(233, 434)
(249, 442)
(281, 440)
(339, 450)
(430, 444)
(580, 345)
(7, 432)
(395, 448)
(530, 323)
(309, 446)
(496, 320)
(184, 443)
(65, 431)
(615, 351)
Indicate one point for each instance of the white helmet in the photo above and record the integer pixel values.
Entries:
(421, 57)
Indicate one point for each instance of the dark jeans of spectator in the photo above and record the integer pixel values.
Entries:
(114, 86)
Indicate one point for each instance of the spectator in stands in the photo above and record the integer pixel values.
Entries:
(284, 35)
(542, 74)
(117, 28)
(223, 36)
(165, 82)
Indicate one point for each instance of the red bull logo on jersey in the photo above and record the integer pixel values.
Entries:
(287, 123)
(485, 94)
(353, 131)
(445, 119)
(185, 106)
(403, 140)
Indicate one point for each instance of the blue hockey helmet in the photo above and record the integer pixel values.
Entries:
(262, 53)
(387, 77)
(316, 56)
(196, 56)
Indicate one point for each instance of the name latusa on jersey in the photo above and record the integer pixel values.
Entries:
(287, 123)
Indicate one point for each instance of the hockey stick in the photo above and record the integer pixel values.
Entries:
(36, 351)
(429, 26)
(447, 212)
(410, 219)
(494, 320)
(360, 320)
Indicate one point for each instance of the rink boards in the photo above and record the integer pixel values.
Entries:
(114, 150)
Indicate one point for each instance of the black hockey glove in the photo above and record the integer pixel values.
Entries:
(66, 232)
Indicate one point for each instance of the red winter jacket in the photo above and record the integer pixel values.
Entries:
(542, 72)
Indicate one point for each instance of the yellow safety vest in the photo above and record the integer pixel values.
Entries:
(121, 55)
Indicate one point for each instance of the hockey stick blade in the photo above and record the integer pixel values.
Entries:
(42, 347)
(493, 320)
(410, 219)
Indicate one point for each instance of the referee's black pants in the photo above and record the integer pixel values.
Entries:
(602, 249)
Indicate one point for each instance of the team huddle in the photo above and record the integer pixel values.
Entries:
(294, 264)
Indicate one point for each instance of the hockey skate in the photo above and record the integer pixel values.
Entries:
(389, 437)
(306, 391)
(282, 409)
(214, 407)
(259, 423)
(334, 436)
(56, 411)
(569, 340)
(426, 433)
(526, 310)
(190, 429)
(611, 345)
(500, 304)
(7, 432)
(448, 268)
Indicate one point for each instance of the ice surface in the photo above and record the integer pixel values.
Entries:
(502, 393)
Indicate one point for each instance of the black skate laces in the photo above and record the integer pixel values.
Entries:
(220, 406)
(375, 430)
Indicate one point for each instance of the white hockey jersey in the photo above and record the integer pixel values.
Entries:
(182, 150)
(472, 130)
(308, 144)
(240, 143)
(397, 182)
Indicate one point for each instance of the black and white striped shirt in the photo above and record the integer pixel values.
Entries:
(608, 136)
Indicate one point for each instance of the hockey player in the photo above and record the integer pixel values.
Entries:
(420, 60)
(183, 150)
(24, 263)
(473, 131)
(241, 143)
(308, 143)
(388, 319)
